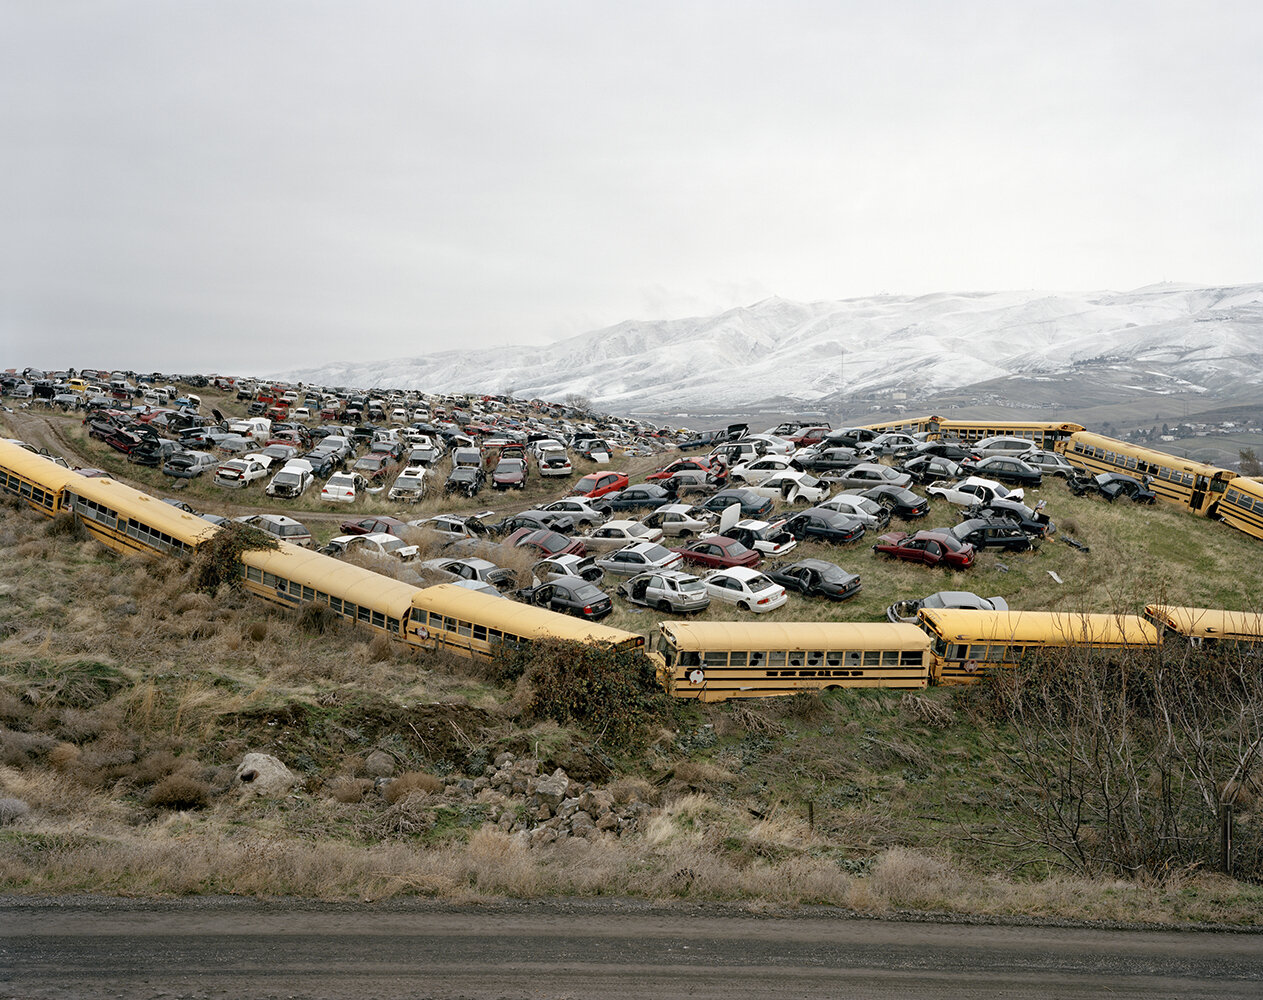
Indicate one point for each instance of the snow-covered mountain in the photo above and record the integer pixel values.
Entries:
(1197, 338)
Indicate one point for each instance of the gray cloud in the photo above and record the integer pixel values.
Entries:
(227, 185)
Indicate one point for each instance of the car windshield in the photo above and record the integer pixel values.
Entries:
(656, 553)
(288, 478)
(340, 482)
(288, 530)
(408, 482)
(394, 543)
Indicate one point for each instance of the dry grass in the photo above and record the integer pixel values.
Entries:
(122, 784)
(411, 783)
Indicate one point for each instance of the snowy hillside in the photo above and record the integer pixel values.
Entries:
(813, 352)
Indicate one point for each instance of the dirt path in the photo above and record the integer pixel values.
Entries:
(231, 948)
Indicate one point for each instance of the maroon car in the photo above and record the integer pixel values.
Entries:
(547, 543)
(370, 525)
(933, 548)
(719, 551)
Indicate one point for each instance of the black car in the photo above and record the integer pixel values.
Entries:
(953, 451)
(824, 525)
(829, 459)
(466, 480)
(899, 500)
(644, 496)
(815, 578)
(572, 597)
(995, 533)
(153, 451)
(753, 506)
(534, 519)
(930, 468)
(1033, 522)
(1115, 486)
(1004, 469)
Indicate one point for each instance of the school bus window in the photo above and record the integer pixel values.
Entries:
(254, 573)
(815, 658)
(464, 628)
(379, 619)
(715, 659)
(833, 658)
(957, 651)
(737, 659)
(494, 634)
(914, 657)
(852, 658)
(480, 633)
(322, 597)
(890, 658)
(776, 658)
(872, 658)
(309, 594)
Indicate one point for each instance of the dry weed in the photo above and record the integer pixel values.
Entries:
(409, 783)
(179, 791)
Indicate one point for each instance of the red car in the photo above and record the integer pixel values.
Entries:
(682, 465)
(933, 548)
(547, 543)
(719, 551)
(597, 484)
(371, 525)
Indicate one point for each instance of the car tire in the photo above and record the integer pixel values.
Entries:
(665, 607)
(743, 606)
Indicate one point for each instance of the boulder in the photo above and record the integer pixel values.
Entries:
(380, 764)
(262, 774)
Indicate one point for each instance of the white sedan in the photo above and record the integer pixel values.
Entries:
(341, 487)
(377, 545)
(972, 491)
(792, 487)
(747, 588)
(754, 472)
(615, 534)
(870, 512)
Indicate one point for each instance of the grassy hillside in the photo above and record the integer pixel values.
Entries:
(127, 701)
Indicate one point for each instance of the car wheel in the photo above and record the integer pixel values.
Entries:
(665, 607)
(743, 606)
(686, 534)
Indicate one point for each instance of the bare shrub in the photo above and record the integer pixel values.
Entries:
(410, 782)
(257, 631)
(754, 721)
(66, 526)
(381, 647)
(155, 766)
(317, 619)
(11, 810)
(633, 789)
(926, 710)
(194, 601)
(349, 790)
(179, 791)
(806, 706)
(909, 879)
(63, 756)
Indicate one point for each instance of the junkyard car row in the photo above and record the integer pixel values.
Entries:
(719, 514)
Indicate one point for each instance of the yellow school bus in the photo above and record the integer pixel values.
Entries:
(714, 661)
(967, 645)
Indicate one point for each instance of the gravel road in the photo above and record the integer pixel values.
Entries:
(96, 948)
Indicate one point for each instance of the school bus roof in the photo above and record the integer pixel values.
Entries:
(1035, 628)
(523, 620)
(332, 576)
(132, 503)
(794, 635)
(36, 468)
(1207, 623)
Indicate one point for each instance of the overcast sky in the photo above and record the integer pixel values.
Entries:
(254, 185)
